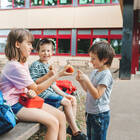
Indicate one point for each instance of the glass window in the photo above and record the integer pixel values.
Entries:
(116, 44)
(36, 2)
(54, 43)
(83, 46)
(64, 32)
(2, 44)
(101, 1)
(65, 2)
(100, 32)
(85, 1)
(116, 32)
(98, 39)
(115, 1)
(19, 3)
(50, 2)
(49, 32)
(5, 4)
(139, 16)
(36, 32)
(4, 32)
(84, 32)
(64, 45)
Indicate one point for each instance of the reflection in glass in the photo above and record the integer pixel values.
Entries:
(36, 2)
(50, 2)
(116, 44)
(83, 46)
(98, 39)
(65, 2)
(85, 1)
(19, 3)
(101, 1)
(115, 1)
(2, 44)
(64, 45)
(5, 4)
(54, 44)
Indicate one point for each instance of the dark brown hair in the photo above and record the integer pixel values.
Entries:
(103, 50)
(11, 51)
(44, 41)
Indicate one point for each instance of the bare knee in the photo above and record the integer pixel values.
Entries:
(66, 102)
(53, 124)
(62, 117)
(74, 101)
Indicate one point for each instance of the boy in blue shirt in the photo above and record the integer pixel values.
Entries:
(98, 89)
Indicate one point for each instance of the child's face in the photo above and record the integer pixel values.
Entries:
(25, 47)
(97, 64)
(45, 52)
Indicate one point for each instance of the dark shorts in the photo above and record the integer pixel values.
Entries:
(53, 99)
(16, 107)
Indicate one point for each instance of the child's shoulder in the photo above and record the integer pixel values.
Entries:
(35, 63)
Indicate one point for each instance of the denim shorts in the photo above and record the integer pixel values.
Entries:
(97, 125)
(16, 107)
(52, 99)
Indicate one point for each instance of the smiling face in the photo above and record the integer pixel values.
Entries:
(45, 52)
(25, 48)
(97, 64)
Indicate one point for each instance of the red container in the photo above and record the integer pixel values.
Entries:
(35, 102)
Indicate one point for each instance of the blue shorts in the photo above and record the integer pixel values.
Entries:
(16, 107)
(52, 99)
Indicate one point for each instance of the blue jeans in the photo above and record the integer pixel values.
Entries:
(97, 125)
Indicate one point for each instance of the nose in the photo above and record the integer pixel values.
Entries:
(31, 47)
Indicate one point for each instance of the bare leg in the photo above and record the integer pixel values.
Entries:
(74, 106)
(61, 119)
(44, 116)
(69, 115)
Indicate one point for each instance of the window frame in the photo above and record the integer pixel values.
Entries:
(58, 5)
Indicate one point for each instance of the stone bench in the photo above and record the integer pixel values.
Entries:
(22, 131)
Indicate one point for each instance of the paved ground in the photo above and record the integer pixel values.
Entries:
(125, 108)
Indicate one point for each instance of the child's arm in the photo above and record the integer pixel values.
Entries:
(39, 88)
(81, 81)
(58, 90)
(45, 77)
(95, 92)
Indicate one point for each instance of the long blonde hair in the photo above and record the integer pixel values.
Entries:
(11, 51)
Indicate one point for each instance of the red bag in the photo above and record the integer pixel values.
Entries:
(35, 102)
(66, 86)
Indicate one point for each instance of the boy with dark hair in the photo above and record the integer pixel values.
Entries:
(98, 89)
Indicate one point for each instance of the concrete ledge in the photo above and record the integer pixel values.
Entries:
(22, 131)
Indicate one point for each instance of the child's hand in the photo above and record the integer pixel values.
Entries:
(70, 97)
(51, 73)
(31, 94)
(64, 72)
(81, 76)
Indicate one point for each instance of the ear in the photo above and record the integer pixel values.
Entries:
(17, 44)
(105, 60)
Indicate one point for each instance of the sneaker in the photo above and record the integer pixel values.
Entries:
(80, 136)
(69, 131)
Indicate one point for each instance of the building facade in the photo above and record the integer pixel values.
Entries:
(73, 25)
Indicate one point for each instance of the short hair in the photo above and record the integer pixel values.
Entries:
(103, 50)
(44, 41)
(14, 35)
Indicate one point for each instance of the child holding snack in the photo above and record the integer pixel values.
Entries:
(15, 79)
(39, 71)
(98, 89)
